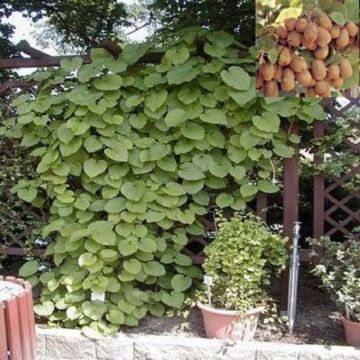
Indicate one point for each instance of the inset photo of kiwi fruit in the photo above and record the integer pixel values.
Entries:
(307, 48)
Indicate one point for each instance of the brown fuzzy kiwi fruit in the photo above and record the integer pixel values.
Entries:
(313, 82)
(337, 83)
(324, 37)
(333, 72)
(290, 24)
(325, 22)
(278, 72)
(281, 32)
(335, 31)
(301, 25)
(288, 80)
(294, 39)
(267, 71)
(310, 92)
(259, 80)
(321, 52)
(271, 88)
(352, 28)
(304, 78)
(298, 64)
(322, 87)
(343, 39)
(309, 45)
(311, 32)
(327, 93)
(346, 70)
(284, 56)
(318, 70)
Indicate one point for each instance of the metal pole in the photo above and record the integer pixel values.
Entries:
(294, 277)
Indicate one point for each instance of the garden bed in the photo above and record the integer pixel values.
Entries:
(317, 321)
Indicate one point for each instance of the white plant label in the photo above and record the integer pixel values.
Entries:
(208, 280)
(98, 296)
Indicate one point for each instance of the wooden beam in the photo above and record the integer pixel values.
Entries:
(21, 251)
(261, 205)
(290, 207)
(319, 186)
(24, 47)
(18, 62)
(15, 83)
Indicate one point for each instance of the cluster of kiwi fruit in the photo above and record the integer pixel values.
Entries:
(318, 36)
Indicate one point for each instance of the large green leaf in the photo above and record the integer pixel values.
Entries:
(102, 232)
(133, 52)
(154, 268)
(177, 56)
(268, 122)
(174, 299)
(94, 310)
(94, 167)
(190, 172)
(132, 266)
(182, 73)
(29, 268)
(175, 117)
(236, 78)
(109, 82)
(193, 131)
(71, 64)
(214, 116)
(156, 99)
(267, 186)
(134, 190)
(180, 283)
(44, 309)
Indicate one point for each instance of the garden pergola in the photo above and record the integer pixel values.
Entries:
(322, 190)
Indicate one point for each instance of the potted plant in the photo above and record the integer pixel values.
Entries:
(338, 267)
(239, 265)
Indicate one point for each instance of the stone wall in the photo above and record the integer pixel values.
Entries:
(62, 344)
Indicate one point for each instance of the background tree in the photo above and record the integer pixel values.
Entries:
(79, 23)
(234, 16)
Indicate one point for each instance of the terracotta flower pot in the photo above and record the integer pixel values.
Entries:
(225, 324)
(352, 332)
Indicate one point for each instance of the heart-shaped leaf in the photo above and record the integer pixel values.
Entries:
(94, 167)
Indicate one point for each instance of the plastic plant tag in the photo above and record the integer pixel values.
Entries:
(98, 296)
(208, 280)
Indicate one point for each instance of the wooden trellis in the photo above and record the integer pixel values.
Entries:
(336, 206)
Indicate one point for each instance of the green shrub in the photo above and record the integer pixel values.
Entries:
(242, 260)
(339, 271)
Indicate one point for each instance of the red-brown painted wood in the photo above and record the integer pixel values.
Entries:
(261, 205)
(290, 206)
(13, 329)
(319, 186)
(3, 339)
(31, 318)
(18, 323)
(25, 330)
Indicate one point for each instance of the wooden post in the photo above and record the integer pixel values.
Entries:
(290, 207)
(319, 186)
(261, 205)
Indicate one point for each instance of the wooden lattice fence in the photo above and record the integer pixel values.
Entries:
(337, 205)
